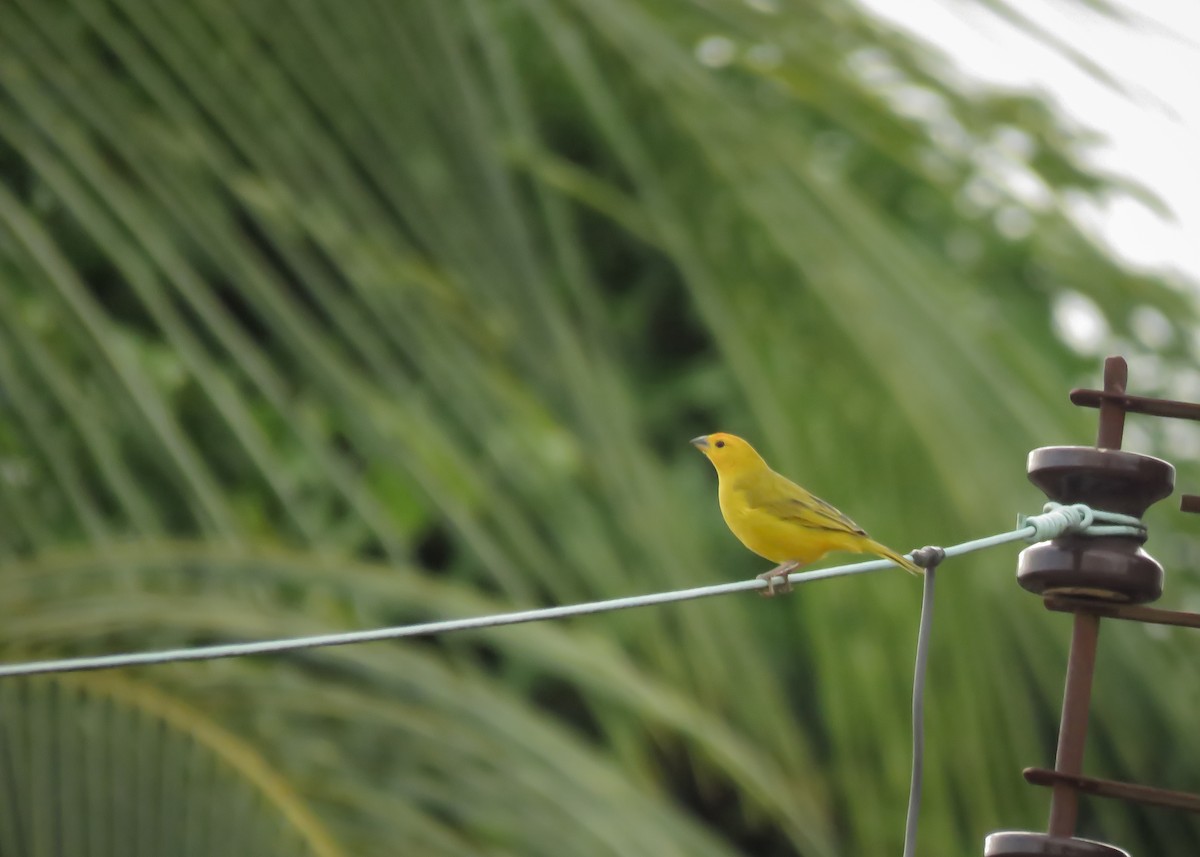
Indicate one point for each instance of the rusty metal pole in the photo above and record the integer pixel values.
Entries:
(1072, 734)
(1105, 569)
(1112, 411)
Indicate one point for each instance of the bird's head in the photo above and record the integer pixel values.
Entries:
(728, 452)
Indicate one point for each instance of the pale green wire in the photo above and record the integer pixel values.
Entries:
(1054, 522)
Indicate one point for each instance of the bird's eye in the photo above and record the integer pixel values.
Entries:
(720, 443)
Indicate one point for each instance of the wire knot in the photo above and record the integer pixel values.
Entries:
(1058, 519)
(929, 556)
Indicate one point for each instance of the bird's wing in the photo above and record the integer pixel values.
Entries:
(781, 497)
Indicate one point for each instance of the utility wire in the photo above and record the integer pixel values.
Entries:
(932, 557)
(1055, 521)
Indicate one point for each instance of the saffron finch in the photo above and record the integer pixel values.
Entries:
(775, 517)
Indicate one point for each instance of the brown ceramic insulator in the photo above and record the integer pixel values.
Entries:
(1012, 843)
(1083, 567)
(1108, 479)
(1108, 568)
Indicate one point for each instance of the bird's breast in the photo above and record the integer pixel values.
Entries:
(772, 537)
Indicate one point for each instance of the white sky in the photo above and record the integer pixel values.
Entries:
(1152, 130)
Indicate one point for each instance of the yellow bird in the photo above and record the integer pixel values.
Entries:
(775, 517)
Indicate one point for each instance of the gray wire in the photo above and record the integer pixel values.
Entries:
(918, 709)
(1035, 527)
(230, 650)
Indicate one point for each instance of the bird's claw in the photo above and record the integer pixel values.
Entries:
(773, 578)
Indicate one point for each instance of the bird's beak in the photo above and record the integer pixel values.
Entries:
(700, 442)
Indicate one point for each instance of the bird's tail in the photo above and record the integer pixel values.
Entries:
(906, 564)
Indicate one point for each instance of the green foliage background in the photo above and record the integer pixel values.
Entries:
(324, 316)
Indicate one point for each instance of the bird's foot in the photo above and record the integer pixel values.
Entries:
(777, 581)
